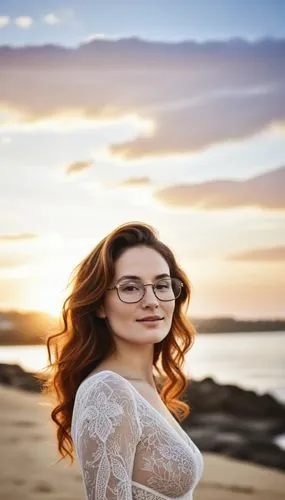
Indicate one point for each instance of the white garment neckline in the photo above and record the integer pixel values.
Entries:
(148, 403)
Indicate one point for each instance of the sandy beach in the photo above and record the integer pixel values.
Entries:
(29, 470)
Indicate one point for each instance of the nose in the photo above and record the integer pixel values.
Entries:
(149, 299)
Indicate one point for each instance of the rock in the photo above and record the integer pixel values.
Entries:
(15, 376)
(228, 422)
(275, 457)
(235, 422)
(208, 396)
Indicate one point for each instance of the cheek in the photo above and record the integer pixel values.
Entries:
(169, 309)
(117, 310)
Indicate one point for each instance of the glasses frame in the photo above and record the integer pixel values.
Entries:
(117, 286)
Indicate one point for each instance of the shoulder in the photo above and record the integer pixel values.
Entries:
(102, 386)
(108, 396)
(105, 378)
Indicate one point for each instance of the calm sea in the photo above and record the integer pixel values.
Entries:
(251, 360)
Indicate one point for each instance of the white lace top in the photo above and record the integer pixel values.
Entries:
(127, 450)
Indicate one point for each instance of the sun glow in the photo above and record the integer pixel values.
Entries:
(47, 295)
(48, 300)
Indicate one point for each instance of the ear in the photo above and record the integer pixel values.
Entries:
(101, 311)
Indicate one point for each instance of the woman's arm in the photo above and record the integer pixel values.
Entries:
(106, 431)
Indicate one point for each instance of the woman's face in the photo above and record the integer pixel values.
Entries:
(125, 318)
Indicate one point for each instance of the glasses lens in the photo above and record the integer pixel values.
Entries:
(168, 289)
(130, 291)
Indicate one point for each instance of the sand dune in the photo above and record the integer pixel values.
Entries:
(28, 468)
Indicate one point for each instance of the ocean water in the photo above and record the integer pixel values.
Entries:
(251, 360)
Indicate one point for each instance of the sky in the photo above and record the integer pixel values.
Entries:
(169, 113)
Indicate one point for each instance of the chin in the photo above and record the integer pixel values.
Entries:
(153, 335)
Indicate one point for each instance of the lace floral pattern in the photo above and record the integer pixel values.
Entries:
(126, 449)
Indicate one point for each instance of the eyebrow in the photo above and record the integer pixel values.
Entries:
(132, 277)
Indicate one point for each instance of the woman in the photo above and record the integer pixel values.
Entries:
(124, 321)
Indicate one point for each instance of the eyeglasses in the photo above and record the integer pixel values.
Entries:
(165, 289)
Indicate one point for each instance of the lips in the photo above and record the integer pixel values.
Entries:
(150, 318)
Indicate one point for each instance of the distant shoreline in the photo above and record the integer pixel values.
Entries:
(18, 343)
(231, 325)
(32, 328)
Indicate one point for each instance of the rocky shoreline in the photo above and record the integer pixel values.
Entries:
(224, 419)
(236, 422)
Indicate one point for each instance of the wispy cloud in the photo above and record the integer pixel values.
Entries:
(51, 19)
(135, 181)
(263, 191)
(78, 166)
(24, 22)
(208, 121)
(4, 21)
(261, 254)
(94, 36)
(18, 237)
(196, 94)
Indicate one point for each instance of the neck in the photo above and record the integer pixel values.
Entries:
(132, 361)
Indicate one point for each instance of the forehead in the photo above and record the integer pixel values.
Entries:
(141, 261)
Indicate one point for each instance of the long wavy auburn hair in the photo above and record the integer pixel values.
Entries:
(86, 340)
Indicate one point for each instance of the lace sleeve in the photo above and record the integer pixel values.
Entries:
(105, 432)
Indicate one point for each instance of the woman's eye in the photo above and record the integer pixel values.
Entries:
(161, 286)
(130, 287)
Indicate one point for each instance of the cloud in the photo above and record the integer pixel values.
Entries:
(78, 166)
(94, 36)
(135, 181)
(24, 22)
(196, 94)
(51, 19)
(264, 191)
(199, 125)
(17, 237)
(4, 21)
(261, 254)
